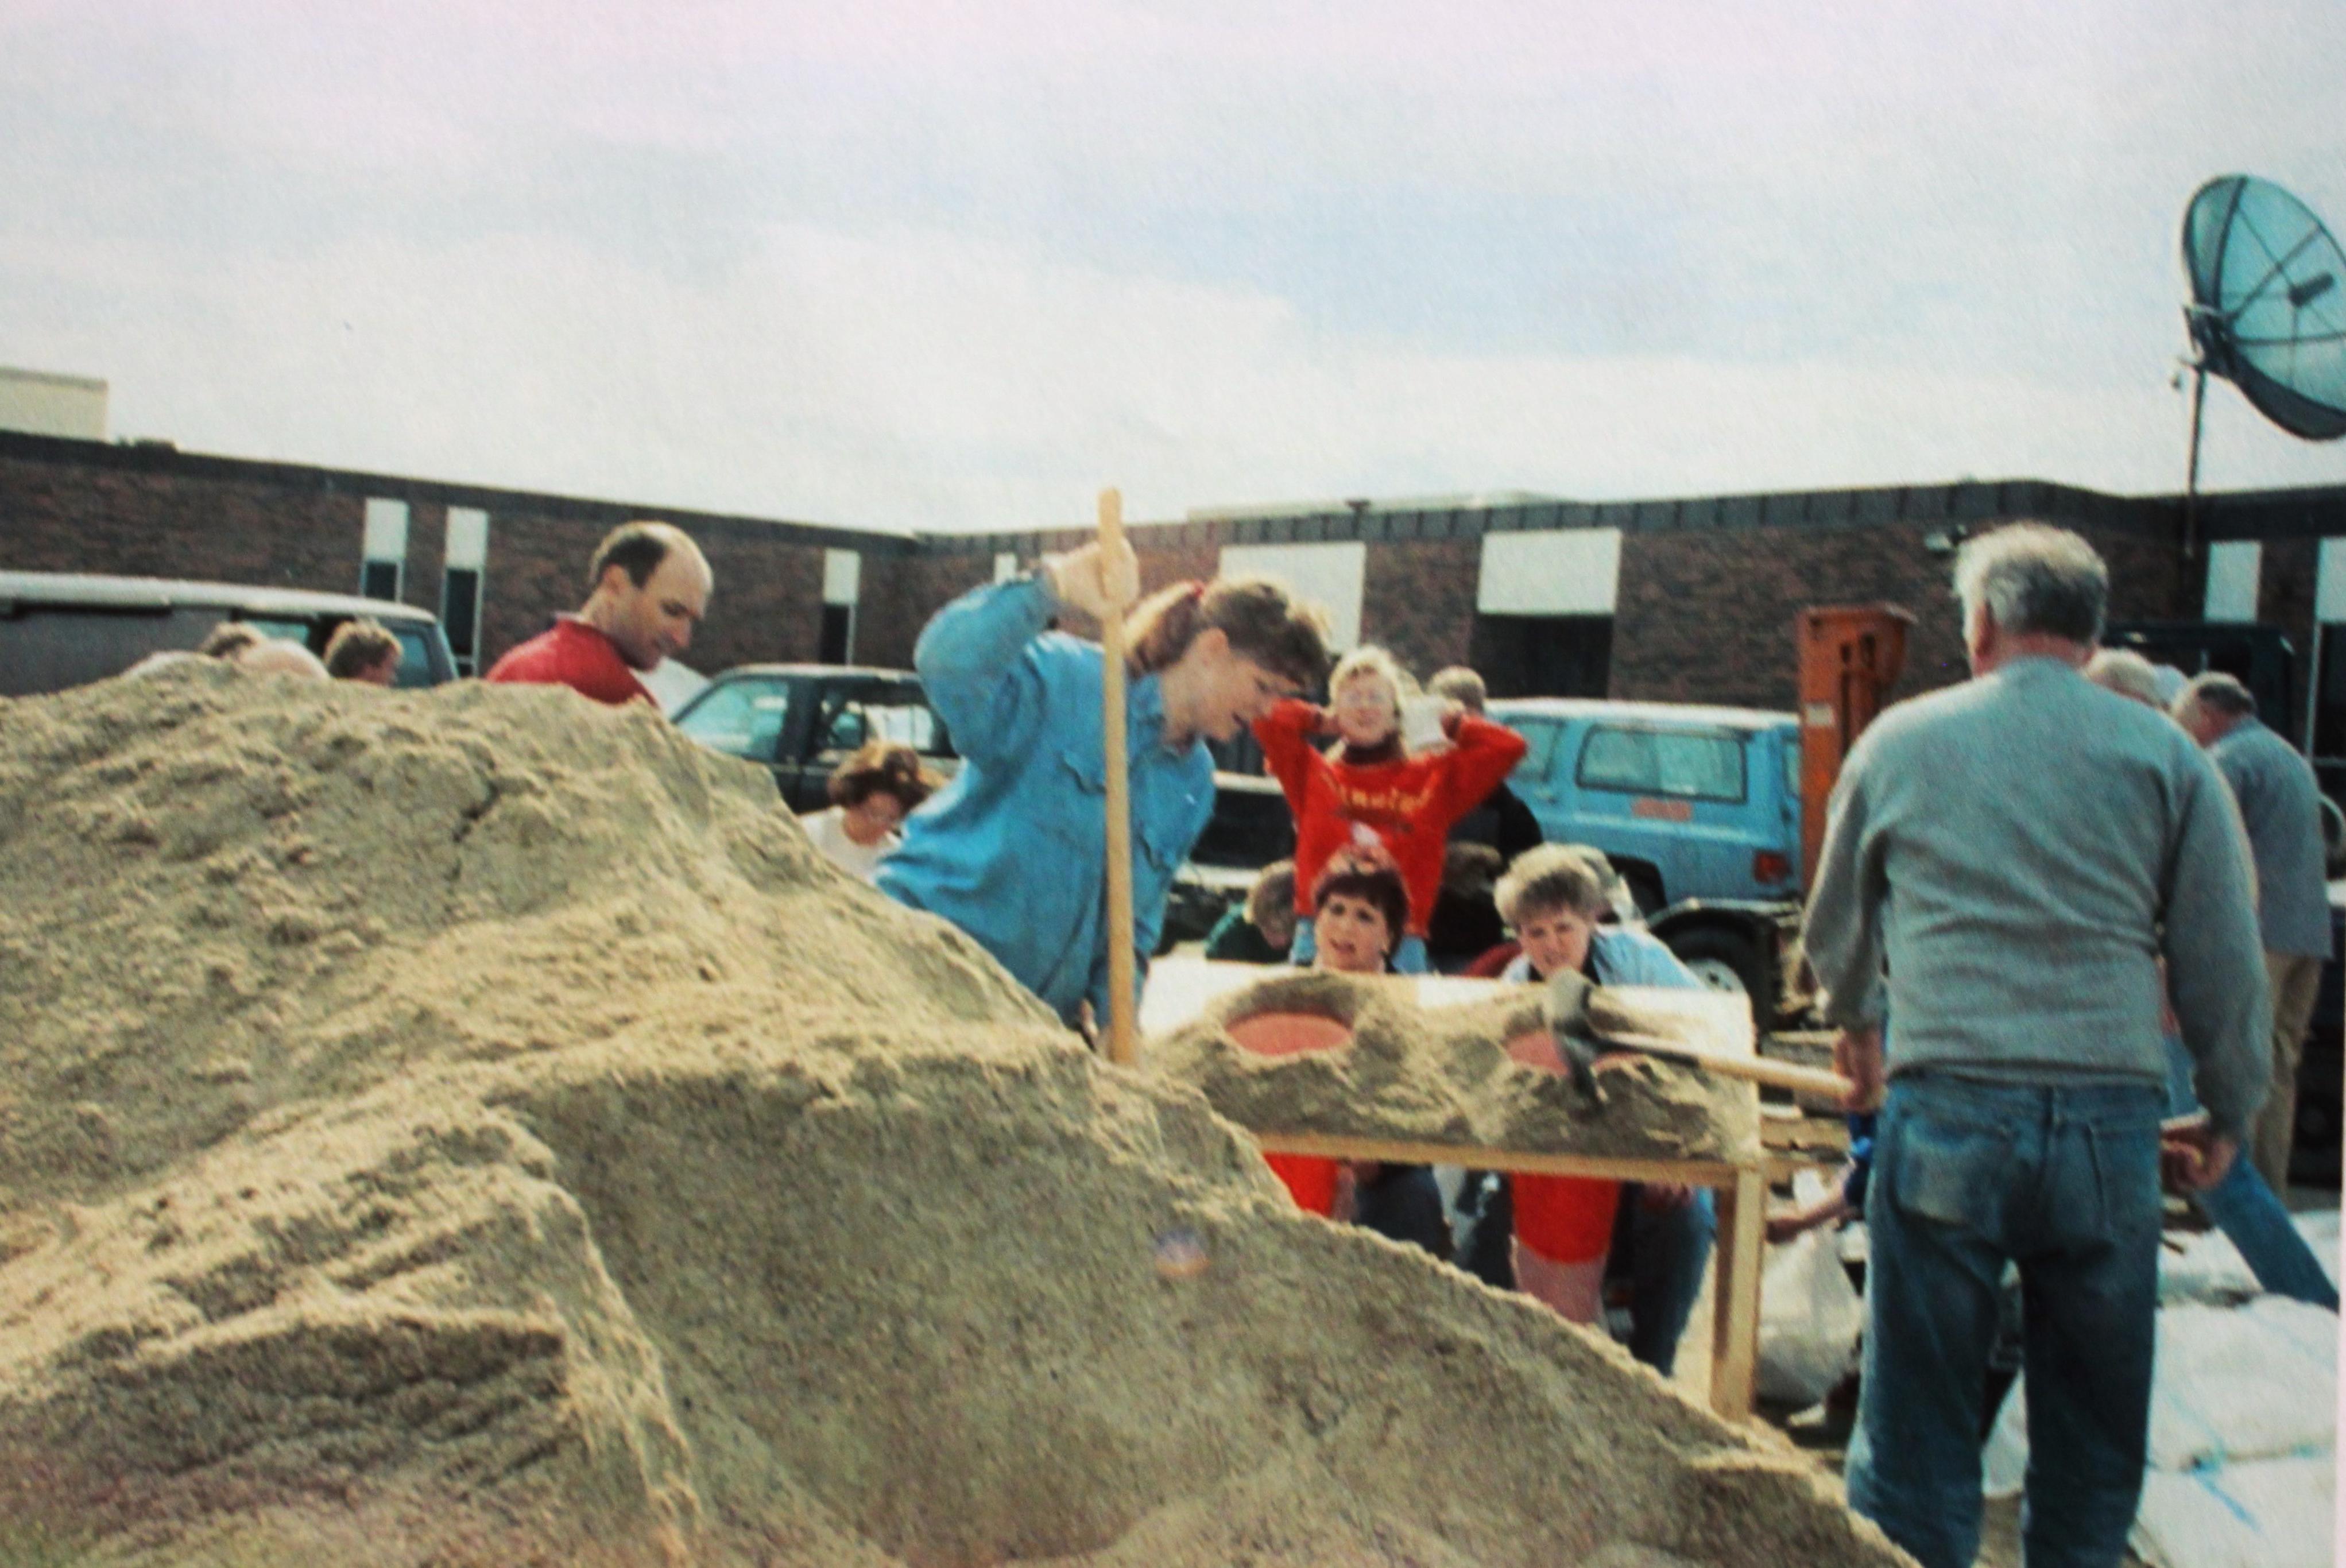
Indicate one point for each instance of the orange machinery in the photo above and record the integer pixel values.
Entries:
(1850, 658)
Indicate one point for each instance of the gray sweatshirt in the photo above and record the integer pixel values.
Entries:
(2020, 850)
(2280, 806)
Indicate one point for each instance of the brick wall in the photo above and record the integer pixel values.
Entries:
(58, 517)
(85, 506)
(1708, 587)
(1417, 599)
(1707, 615)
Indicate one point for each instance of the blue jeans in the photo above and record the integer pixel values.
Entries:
(2063, 1181)
(2243, 1208)
(1409, 958)
(1663, 1252)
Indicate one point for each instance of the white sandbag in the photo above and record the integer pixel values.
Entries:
(2264, 1513)
(2004, 1461)
(2243, 1382)
(2228, 1383)
(2209, 1268)
(1809, 1318)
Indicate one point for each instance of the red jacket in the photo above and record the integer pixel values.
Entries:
(575, 655)
(1408, 804)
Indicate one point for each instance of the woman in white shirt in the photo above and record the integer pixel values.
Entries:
(873, 792)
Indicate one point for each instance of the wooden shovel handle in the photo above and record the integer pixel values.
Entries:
(1123, 1038)
(1758, 1069)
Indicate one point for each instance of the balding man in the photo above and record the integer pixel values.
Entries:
(2018, 852)
(648, 588)
(2281, 806)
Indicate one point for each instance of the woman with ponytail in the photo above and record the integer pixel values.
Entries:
(1015, 850)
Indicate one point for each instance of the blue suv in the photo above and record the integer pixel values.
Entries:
(1698, 808)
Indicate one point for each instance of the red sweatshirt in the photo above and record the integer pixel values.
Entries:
(575, 655)
(1409, 803)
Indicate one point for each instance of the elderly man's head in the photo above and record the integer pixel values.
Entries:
(648, 586)
(2128, 673)
(2211, 704)
(2030, 588)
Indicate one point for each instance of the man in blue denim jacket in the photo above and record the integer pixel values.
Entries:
(1015, 850)
(2018, 852)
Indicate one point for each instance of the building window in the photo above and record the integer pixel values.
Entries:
(2234, 568)
(842, 585)
(462, 583)
(383, 557)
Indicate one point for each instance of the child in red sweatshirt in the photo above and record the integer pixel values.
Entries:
(1368, 786)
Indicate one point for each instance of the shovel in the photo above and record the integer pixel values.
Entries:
(1579, 1042)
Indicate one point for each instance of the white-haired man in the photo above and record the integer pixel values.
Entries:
(2280, 806)
(2017, 852)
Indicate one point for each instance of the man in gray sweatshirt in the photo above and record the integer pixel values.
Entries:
(2280, 806)
(2019, 852)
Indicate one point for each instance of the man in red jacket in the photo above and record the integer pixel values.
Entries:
(649, 586)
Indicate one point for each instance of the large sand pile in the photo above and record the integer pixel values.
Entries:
(474, 1127)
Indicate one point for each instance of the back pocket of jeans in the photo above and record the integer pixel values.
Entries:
(1951, 1173)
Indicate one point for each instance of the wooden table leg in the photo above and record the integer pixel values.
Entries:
(1735, 1319)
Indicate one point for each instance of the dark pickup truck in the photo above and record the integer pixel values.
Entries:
(800, 720)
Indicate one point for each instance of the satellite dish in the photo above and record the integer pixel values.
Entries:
(2268, 313)
(2268, 307)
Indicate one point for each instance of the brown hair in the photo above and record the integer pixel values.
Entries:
(1265, 624)
(883, 767)
(1370, 873)
(360, 643)
(636, 548)
(1273, 893)
(228, 639)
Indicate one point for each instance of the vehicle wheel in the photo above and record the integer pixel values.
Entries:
(1729, 961)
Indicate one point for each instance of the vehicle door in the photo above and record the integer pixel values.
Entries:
(856, 711)
(746, 717)
(1679, 797)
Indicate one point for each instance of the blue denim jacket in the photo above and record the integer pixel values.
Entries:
(1015, 850)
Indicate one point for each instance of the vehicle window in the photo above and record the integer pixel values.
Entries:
(1539, 738)
(414, 658)
(896, 717)
(740, 719)
(1791, 764)
(1687, 765)
(292, 631)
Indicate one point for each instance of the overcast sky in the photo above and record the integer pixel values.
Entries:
(952, 265)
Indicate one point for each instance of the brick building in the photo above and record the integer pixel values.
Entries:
(1682, 599)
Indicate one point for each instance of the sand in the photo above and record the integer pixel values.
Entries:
(475, 1127)
(1442, 1075)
